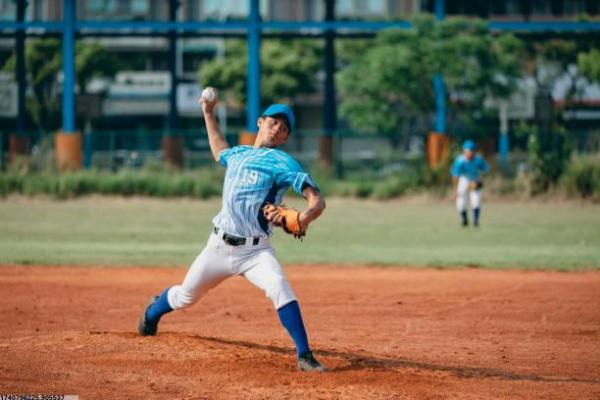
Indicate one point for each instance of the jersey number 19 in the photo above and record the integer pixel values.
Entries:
(250, 177)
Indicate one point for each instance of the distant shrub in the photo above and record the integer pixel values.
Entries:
(548, 153)
(396, 185)
(582, 178)
(125, 183)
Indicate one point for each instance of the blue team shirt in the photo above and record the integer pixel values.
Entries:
(253, 178)
(472, 170)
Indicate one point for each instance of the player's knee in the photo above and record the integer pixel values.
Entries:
(280, 292)
(179, 297)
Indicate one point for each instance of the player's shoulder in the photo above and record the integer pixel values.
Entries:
(241, 148)
(460, 159)
(479, 158)
(282, 157)
(235, 150)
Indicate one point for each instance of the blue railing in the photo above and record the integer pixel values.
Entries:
(354, 153)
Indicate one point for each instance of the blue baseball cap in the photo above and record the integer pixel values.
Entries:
(284, 110)
(469, 145)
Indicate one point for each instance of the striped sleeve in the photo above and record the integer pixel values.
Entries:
(226, 154)
(291, 174)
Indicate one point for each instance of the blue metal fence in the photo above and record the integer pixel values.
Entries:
(355, 153)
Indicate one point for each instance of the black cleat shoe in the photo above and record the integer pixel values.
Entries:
(146, 328)
(308, 362)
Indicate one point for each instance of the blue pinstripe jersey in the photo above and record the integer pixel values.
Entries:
(472, 170)
(253, 178)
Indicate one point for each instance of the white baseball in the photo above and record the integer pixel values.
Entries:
(209, 94)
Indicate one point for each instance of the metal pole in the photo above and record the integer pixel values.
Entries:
(328, 156)
(438, 80)
(68, 106)
(440, 103)
(330, 108)
(88, 145)
(440, 9)
(253, 76)
(326, 151)
(20, 68)
(173, 114)
(503, 143)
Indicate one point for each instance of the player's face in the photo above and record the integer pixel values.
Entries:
(274, 130)
(468, 154)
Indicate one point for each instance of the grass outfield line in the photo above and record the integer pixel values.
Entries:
(118, 231)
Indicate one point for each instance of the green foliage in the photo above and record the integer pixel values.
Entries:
(438, 177)
(548, 155)
(390, 81)
(43, 61)
(589, 64)
(559, 50)
(475, 63)
(382, 187)
(383, 85)
(349, 49)
(396, 186)
(582, 178)
(93, 60)
(553, 58)
(288, 68)
(199, 184)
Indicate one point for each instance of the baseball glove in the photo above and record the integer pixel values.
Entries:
(475, 185)
(287, 218)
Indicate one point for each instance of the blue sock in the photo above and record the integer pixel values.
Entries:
(291, 318)
(159, 308)
(465, 219)
(476, 216)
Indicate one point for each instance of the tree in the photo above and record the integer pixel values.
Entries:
(388, 81)
(548, 142)
(93, 60)
(288, 68)
(391, 81)
(43, 62)
(589, 64)
(477, 64)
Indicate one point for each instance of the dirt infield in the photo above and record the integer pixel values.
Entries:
(385, 333)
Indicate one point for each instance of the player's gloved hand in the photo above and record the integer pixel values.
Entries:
(476, 185)
(286, 218)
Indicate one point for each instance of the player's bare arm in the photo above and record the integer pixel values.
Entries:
(216, 139)
(316, 206)
(455, 185)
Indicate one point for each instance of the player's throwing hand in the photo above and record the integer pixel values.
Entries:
(208, 99)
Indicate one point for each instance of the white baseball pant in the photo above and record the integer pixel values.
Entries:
(219, 261)
(464, 193)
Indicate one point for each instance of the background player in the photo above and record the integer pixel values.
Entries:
(239, 244)
(467, 172)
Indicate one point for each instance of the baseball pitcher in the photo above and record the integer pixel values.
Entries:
(256, 178)
(467, 176)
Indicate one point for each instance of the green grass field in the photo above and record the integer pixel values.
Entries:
(414, 232)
